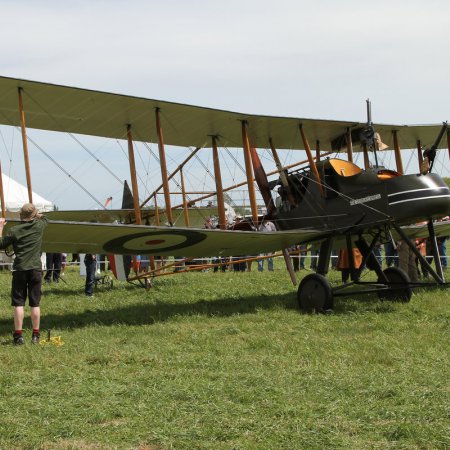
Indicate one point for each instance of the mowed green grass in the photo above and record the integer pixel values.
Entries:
(225, 361)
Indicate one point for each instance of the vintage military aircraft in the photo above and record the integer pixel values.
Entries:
(331, 201)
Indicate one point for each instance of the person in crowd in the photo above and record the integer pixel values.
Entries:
(102, 263)
(407, 260)
(421, 246)
(314, 257)
(53, 262)
(239, 266)
(442, 249)
(294, 251)
(26, 240)
(343, 263)
(266, 226)
(90, 261)
(209, 223)
(298, 256)
(390, 251)
(303, 253)
(377, 253)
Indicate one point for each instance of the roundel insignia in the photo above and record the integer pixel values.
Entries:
(154, 241)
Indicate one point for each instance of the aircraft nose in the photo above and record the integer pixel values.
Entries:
(415, 198)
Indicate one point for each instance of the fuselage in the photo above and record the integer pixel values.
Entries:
(347, 197)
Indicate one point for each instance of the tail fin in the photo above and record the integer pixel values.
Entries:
(127, 198)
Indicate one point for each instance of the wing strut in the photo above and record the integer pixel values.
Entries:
(25, 146)
(249, 172)
(261, 181)
(134, 185)
(180, 167)
(263, 184)
(398, 155)
(431, 152)
(317, 151)
(162, 161)
(419, 155)
(219, 188)
(349, 145)
(311, 161)
(157, 220)
(448, 141)
(185, 204)
(437, 276)
(283, 173)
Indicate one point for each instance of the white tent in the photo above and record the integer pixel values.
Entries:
(16, 196)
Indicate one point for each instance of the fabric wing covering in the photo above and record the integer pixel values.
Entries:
(74, 237)
(68, 109)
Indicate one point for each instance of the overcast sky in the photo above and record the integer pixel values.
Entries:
(318, 59)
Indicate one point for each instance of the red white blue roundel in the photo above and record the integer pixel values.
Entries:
(153, 242)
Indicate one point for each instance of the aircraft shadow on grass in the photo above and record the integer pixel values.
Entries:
(150, 313)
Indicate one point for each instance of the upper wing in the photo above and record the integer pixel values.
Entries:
(62, 108)
(75, 237)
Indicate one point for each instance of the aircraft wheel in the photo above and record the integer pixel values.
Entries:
(399, 281)
(315, 293)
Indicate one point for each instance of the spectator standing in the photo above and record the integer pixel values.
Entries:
(343, 263)
(53, 262)
(442, 249)
(266, 226)
(90, 261)
(390, 251)
(407, 260)
(26, 240)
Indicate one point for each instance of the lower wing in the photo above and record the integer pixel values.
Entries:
(421, 230)
(99, 238)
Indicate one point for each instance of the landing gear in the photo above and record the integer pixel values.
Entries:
(315, 294)
(398, 285)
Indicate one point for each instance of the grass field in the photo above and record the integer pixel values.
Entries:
(225, 361)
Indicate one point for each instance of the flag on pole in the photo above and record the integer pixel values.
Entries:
(108, 201)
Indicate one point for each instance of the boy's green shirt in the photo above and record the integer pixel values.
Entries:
(26, 240)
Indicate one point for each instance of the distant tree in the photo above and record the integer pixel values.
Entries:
(447, 180)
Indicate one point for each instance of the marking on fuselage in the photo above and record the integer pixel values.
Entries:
(419, 198)
(370, 198)
(417, 190)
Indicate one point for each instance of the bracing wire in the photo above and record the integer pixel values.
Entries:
(126, 156)
(158, 160)
(95, 157)
(65, 171)
(204, 166)
(74, 138)
(235, 160)
(347, 197)
(8, 153)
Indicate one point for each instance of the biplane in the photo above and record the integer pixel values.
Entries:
(330, 200)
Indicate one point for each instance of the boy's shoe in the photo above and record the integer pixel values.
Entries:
(35, 338)
(18, 339)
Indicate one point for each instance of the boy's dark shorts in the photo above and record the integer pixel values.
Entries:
(26, 282)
